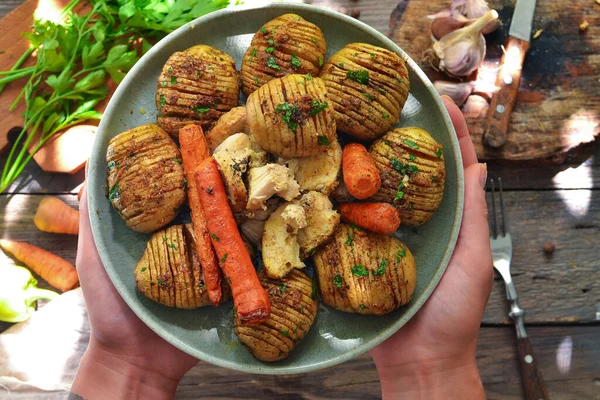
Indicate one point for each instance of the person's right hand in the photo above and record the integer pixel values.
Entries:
(433, 355)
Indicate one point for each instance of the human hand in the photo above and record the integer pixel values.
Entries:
(125, 358)
(433, 355)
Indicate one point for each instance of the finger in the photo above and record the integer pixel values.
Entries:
(89, 264)
(462, 132)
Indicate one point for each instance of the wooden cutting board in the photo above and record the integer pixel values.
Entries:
(558, 106)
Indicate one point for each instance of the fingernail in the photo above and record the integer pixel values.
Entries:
(483, 175)
(447, 97)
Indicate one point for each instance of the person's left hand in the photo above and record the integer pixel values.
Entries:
(124, 358)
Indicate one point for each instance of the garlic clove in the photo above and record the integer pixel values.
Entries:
(459, 92)
(471, 9)
(441, 26)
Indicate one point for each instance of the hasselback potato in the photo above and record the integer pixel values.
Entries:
(145, 177)
(169, 271)
(293, 310)
(367, 87)
(289, 44)
(196, 85)
(365, 273)
(291, 116)
(413, 173)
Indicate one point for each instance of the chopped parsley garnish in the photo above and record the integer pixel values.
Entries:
(161, 100)
(368, 96)
(112, 164)
(114, 192)
(284, 332)
(313, 291)
(184, 182)
(382, 91)
(271, 63)
(322, 140)
(202, 110)
(256, 82)
(372, 55)
(397, 165)
(224, 258)
(359, 270)
(413, 169)
(298, 326)
(341, 65)
(438, 153)
(212, 235)
(170, 69)
(320, 61)
(399, 80)
(144, 269)
(411, 157)
(385, 116)
(433, 179)
(403, 168)
(356, 227)
(178, 161)
(411, 144)
(173, 80)
(295, 62)
(171, 246)
(283, 287)
(399, 254)
(302, 310)
(165, 239)
(308, 77)
(362, 306)
(270, 49)
(359, 76)
(263, 30)
(317, 106)
(287, 112)
(271, 41)
(381, 269)
(253, 53)
(160, 281)
(400, 192)
(350, 239)
(337, 281)
(312, 39)
(164, 83)
(312, 251)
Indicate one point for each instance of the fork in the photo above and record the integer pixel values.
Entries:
(501, 244)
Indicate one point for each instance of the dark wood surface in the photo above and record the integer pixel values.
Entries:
(560, 292)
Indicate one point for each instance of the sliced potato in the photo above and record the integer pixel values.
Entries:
(321, 222)
(199, 84)
(288, 44)
(367, 86)
(413, 173)
(365, 273)
(145, 177)
(320, 172)
(291, 117)
(280, 248)
(294, 307)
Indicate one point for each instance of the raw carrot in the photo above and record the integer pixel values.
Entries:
(53, 215)
(55, 270)
(360, 173)
(382, 218)
(250, 298)
(193, 151)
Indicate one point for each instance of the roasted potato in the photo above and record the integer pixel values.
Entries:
(413, 173)
(198, 84)
(146, 183)
(291, 117)
(365, 273)
(286, 45)
(321, 222)
(169, 271)
(367, 86)
(320, 172)
(294, 307)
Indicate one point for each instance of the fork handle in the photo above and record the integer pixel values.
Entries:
(533, 383)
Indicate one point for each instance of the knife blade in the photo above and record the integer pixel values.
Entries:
(509, 74)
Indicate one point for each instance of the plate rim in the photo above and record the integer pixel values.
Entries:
(271, 368)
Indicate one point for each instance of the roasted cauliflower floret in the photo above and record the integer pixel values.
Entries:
(269, 180)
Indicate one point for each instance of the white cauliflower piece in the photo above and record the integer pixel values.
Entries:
(267, 181)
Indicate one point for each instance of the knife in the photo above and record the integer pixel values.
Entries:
(509, 74)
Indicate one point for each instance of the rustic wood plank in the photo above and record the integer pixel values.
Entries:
(7, 6)
(357, 379)
(564, 286)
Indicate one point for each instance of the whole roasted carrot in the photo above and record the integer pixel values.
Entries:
(54, 215)
(55, 270)
(382, 218)
(360, 173)
(193, 151)
(250, 298)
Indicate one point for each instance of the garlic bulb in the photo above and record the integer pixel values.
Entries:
(473, 9)
(445, 22)
(462, 51)
(457, 91)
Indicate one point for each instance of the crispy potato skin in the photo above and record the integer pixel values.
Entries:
(169, 271)
(366, 110)
(198, 84)
(302, 131)
(145, 177)
(270, 53)
(412, 157)
(381, 291)
(294, 307)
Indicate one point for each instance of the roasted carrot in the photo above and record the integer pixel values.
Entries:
(193, 151)
(360, 173)
(57, 271)
(382, 218)
(53, 215)
(250, 298)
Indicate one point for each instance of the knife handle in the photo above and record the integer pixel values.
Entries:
(503, 101)
(533, 383)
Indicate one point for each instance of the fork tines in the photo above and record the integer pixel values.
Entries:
(496, 228)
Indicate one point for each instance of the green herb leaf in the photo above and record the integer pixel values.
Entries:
(173, 80)
(350, 239)
(433, 179)
(202, 110)
(114, 193)
(318, 106)
(362, 306)
(312, 39)
(338, 281)
(288, 115)
(295, 62)
(172, 246)
(112, 165)
(284, 332)
(270, 49)
(438, 153)
(212, 235)
(411, 157)
(323, 140)
(256, 82)
(413, 169)
(161, 100)
(313, 290)
(143, 269)
(320, 61)
(160, 281)
(359, 270)
(399, 254)
(271, 41)
(385, 116)
(164, 239)
(341, 65)
(308, 77)
(178, 161)
(223, 258)
(381, 270)
(271, 63)
(382, 91)
(253, 52)
(263, 30)
(400, 192)
(361, 76)
(368, 96)
(411, 144)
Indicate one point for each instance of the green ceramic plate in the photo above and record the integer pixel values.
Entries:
(207, 333)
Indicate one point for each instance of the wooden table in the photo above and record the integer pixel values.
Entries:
(560, 292)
